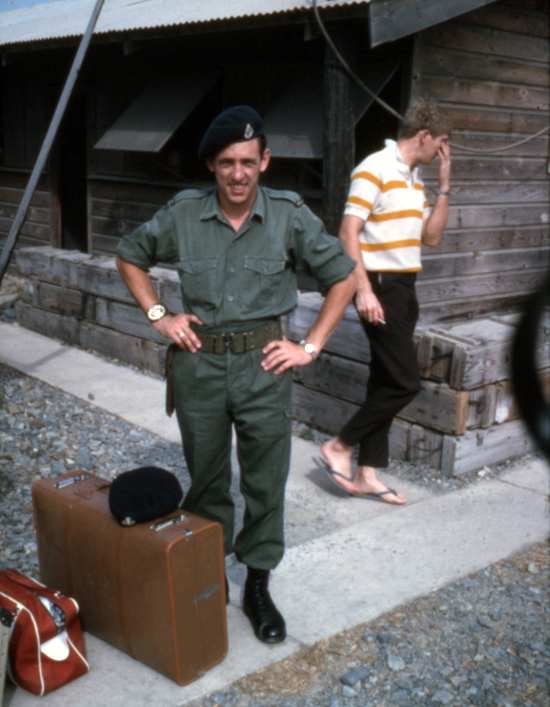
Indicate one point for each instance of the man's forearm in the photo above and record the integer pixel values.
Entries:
(436, 222)
(138, 283)
(332, 310)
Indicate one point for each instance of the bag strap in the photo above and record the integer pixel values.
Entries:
(42, 591)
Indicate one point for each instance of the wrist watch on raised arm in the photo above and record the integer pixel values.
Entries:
(156, 312)
(309, 348)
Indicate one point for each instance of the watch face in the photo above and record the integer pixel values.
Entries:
(310, 349)
(156, 312)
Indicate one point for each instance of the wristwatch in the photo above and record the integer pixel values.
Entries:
(309, 348)
(440, 192)
(156, 312)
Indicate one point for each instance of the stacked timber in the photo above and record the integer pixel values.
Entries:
(82, 300)
(463, 419)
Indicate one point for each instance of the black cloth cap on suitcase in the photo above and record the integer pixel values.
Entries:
(144, 494)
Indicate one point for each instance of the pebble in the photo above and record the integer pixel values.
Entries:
(482, 640)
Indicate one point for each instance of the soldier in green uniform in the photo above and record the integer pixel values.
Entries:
(237, 247)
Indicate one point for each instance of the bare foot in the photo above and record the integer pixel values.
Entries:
(338, 456)
(366, 483)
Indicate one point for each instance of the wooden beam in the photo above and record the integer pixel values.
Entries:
(393, 19)
(339, 133)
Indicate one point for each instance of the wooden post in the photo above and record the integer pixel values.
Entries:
(339, 132)
(48, 141)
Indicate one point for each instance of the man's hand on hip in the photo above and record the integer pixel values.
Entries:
(177, 327)
(284, 354)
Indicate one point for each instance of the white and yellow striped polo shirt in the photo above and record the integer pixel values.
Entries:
(390, 198)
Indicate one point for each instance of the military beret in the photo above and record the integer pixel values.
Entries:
(237, 124)
(144, 494)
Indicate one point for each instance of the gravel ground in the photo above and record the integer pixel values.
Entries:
(483, 640)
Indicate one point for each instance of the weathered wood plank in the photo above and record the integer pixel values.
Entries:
(34, 214)
(124, 210)
(487, 359)
(104, 245)
(335, 376)
(495, 192)
(57, 326)
(467, 37)
(456, 64)
(126, 319)
(463, 264)
(18, 179)
(393, 19)
(438, 407)
(113, 226)
(486, 94)
(478, 448)
(63, 300)
(329, 415)
(490, 141)
(348, 340)
(445, 311)
(33, 230)
(145, 355)
(462, 241)
(40, 199)
(65, 268)
(511, 19)
(100, 277)
(507, 284)
(132, 191)
(425, 447)
(475, 353)
(502, 120)
(481, 216)
(491, 167)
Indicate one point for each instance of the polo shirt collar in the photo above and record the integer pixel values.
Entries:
(401, 166)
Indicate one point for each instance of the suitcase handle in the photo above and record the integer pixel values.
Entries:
(162, 524)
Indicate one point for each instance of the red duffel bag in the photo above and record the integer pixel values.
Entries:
(46, 649)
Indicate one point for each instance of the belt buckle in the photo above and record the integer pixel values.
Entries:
(228, 342)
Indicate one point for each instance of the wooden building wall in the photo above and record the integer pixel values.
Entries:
(490, 69)
(36, 230)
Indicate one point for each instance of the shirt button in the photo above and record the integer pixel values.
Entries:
(231, 268)
(230, 298)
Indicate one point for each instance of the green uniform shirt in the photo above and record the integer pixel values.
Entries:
(230, 279)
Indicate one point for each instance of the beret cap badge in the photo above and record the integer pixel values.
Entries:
(236, 124)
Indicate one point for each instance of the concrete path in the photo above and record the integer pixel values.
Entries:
(348, 559)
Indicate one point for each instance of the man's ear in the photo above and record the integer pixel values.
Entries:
(265, 160)
(422, 135)
(210, 164)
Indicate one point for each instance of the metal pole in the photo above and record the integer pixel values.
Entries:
(48, 141)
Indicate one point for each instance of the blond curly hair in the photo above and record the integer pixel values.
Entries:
(425, 114)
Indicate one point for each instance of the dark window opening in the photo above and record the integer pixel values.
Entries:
(71, 176)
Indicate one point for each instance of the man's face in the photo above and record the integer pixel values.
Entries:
(430, 146)
(237, 170)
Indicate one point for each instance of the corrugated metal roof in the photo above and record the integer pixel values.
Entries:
(68, 18)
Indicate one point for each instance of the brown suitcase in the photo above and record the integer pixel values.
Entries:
(154, 590)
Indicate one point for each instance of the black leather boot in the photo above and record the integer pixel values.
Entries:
(267, 622)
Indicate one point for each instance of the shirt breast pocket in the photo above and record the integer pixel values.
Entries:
(200, 281)
(264, 278)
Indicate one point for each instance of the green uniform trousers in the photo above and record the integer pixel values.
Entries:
(211, 393)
